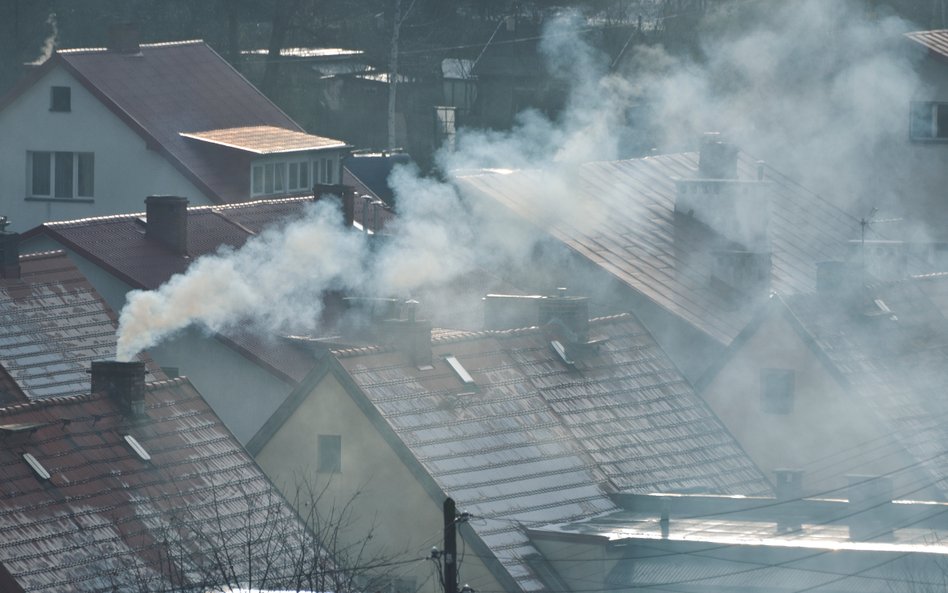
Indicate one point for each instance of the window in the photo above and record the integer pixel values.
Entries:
(776, 390)
(299, 176)
(929, 121)
(61, 174)
(60, 98)
(329, 453)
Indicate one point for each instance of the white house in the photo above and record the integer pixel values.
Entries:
(90, 131)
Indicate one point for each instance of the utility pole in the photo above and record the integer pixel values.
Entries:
(450, 547)
(393, 73)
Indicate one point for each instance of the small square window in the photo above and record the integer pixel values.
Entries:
(60, 98)
(776, 390)
(329, 454)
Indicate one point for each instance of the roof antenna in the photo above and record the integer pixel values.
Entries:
(4, 223)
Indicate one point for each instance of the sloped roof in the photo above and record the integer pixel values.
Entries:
(170, 88)
(537, 440)
(106, 519)
(667, 257)
(118, 245)
(264, 139)
(894, 362)
(52, 325)
(936, 41)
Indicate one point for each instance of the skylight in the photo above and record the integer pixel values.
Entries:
(459, 369)
(36, 466)
(137, 448)
(561, 352)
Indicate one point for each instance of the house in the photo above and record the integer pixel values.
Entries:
(844, 380)
(54, 325)
(367, 173)
(519, 427)
(244, 377)
(692, 243)
(866, 542)
(91, 130)
(132, 487)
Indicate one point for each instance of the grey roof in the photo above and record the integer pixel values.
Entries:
(640, 240)
(896, 363)
(537, 440)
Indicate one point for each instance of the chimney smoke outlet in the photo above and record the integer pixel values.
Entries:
(123, 382)
(717, 159)
(167, 222)
(9, 254)
(571, 311)
(411, 335)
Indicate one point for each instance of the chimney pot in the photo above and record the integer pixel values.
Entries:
(717, 159)
(9, 254)
(167, 222)
(412, 335)
(571, 311)
(123, 382)
(761, 166)
(124, 39)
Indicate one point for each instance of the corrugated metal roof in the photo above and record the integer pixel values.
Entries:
(539, 441)
(52, 325)
(106, 520)
(265, 139)
(639, 239)
(171, 88)
(936, 41)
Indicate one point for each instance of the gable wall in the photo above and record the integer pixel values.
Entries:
(828, 433)
(125, 170)
(407, 521)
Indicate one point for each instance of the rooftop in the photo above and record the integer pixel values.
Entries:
(936, 41)
(265, 139)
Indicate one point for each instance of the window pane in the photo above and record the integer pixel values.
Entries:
(324, 178)
(60, 98)
(279, 174)
(86, 175)
(304, 175)
(268, 177)
(921, 125)
(257, 182)
(40, 173)
(330, 171)
(294, 176)
(329, 454)
(62, 175)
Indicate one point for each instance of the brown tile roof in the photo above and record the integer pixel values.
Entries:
(180, 87)
(935, 41)
(53, 323)
(107, 520)
(536, 441)
(664, 256)
(264, 139)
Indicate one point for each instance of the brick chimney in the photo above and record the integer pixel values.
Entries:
(167, 222)
(344, 193)
(123, 382)
(717, 159)
(9, 254)
(411, 335)
(736, 272)
(124, 39)
(569, 312)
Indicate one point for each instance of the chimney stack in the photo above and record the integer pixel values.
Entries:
(123, 382)
(167, 222)
(412, 335)
(571, 312)
(789, 483)
(346, 196)
(123, 39)
(9, 254)
(717, 159)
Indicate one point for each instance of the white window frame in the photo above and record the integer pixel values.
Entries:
(75, 187)
(924, 114)
(276, 176)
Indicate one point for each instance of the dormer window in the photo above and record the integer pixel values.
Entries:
(60, 98)
(291, 174)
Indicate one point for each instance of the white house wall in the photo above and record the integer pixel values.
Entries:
(125, 171)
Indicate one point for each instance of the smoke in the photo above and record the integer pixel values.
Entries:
(815, 87)
(49, 44)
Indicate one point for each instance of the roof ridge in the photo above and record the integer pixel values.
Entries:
(162, 383)
(36, 404)
(42, 254)
(76, 50)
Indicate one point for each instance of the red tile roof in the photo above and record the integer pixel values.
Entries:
(667, 257)
(53, 323)
(170, 88)
(935, 41)
(107, 520)
(264, 139)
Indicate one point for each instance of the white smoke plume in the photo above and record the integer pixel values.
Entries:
(814, 86)
(49, 44)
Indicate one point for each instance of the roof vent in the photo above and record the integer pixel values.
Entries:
(137, 448)
(123, 382)
(167, 222)
(124, 39)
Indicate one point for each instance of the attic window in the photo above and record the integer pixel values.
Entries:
(137, 448)
(459, 369)
(36, 466)
(60, 98)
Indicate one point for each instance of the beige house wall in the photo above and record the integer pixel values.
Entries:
(829, 433)
(125, 170)
(389, 502)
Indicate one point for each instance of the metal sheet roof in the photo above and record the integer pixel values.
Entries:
(935, 41)
(52, 325)
(538, 441)
(107, 520)
(637, 237)
(265, 139)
